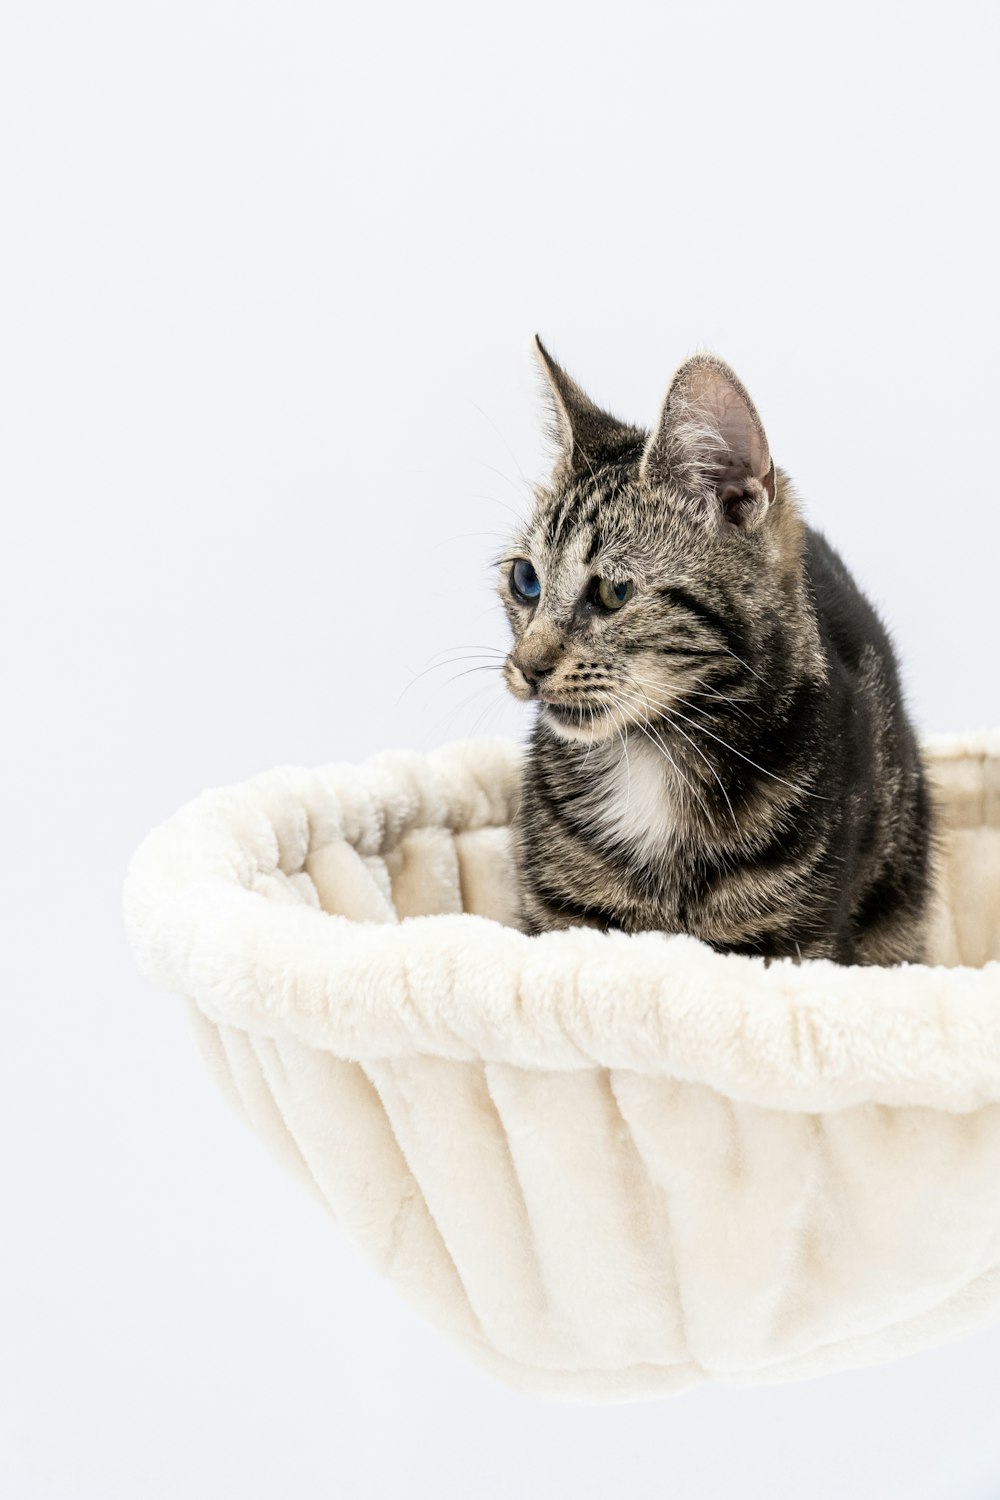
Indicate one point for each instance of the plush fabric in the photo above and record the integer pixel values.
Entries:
(610, 1167)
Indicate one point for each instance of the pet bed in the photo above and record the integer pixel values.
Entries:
(609, 1167)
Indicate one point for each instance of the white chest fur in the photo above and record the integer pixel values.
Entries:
(632, 800)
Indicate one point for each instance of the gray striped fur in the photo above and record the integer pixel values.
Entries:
(728, 753)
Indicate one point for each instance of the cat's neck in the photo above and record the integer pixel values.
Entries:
(632, 796)
(667, 786)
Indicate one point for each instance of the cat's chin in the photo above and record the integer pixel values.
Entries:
(587, 727)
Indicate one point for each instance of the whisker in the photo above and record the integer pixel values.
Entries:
(490, 666)
(500, 475)
(664, 709)
(468, 700)
(471, 646)
(649, 729)
(730, 652)
(762, 769)
(717, 697)
(495, 500)
(503, 440)
(590, 746)
(464, 536)
(628, 768)
(710, 767)
(436, 666)
(483, 718)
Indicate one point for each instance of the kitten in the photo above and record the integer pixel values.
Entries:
(721, 746)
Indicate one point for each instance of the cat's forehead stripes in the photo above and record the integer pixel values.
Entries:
(582, 507)
(593, 522)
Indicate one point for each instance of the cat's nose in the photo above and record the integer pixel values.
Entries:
(534, 675)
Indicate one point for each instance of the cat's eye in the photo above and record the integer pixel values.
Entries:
(524, 581)
(611, 596)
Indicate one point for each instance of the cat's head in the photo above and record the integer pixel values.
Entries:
(656, 565)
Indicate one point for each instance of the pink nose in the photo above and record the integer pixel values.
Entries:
(533, 675)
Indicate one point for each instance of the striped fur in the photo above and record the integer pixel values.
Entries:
(728, 753)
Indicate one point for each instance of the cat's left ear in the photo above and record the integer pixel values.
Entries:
(710, 442)
(584, 435)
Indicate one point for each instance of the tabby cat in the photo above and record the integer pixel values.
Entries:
(721, 746)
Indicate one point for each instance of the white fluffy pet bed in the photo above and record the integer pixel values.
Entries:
(609, 1167)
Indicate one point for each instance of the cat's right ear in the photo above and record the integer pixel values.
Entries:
(584, 435)
(710, 442)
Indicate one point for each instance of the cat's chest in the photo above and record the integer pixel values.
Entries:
(632, 804)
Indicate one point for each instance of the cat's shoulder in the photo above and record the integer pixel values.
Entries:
(847, 618)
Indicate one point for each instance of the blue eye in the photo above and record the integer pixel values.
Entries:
(524, 581)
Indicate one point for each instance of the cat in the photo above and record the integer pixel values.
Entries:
(721, 746)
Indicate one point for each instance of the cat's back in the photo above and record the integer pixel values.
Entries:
(875, 764)
(848, 622)
(868, 715)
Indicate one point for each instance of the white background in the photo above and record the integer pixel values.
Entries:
(268, 273)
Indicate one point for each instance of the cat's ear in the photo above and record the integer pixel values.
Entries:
(584, 435)
(710, 442)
